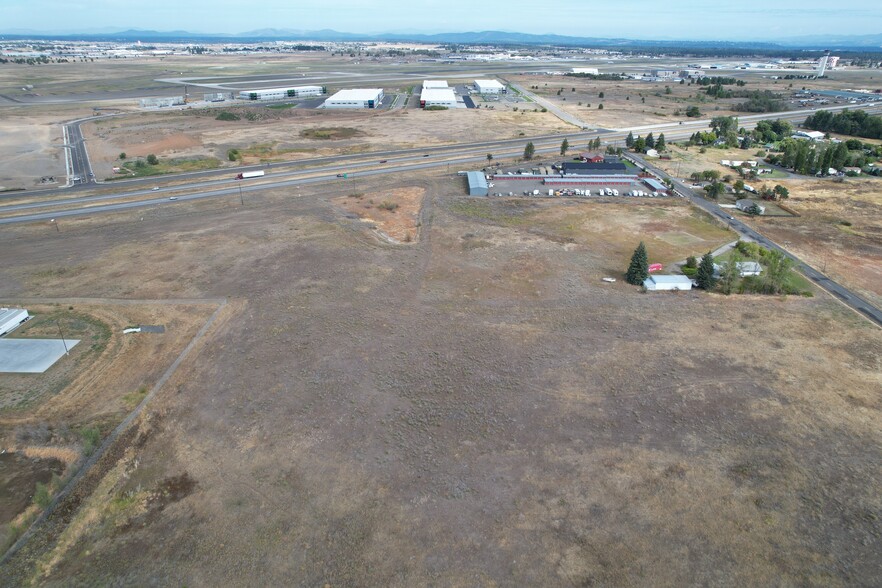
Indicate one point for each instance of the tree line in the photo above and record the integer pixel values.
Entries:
(848, 122)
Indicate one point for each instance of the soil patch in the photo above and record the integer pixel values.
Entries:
(19, 475)
(395, 212)
(331, 133)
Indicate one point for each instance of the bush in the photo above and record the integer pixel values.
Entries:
(122, 155)
(227, 116)
(691, 262)
(41, 495)
(152, 159)
(438, 107)
(91, 437)
(390, 206)
(233, 155)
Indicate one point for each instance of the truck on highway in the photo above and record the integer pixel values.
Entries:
(250, 174)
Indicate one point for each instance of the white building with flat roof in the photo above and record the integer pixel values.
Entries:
(586, 70)
(11, 318)
(427, 84)
(438, 97)
(281, 93)
(667, 282)
(356, 98)
(489, 87)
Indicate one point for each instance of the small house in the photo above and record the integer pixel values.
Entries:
(746, 204)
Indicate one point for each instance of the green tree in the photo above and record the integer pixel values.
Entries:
(650, 141)
(564, 145)
(704, 277)
(489, 157)
(691, 262)
(152, 159)
(693, 112)
(600, 107)
(640, 145)
(529, 151)
(738, 186)
(729, 273)
(723, 125)
(629, 140)
(781, 192)
(122, 155)
(714, 190)
(660, 144)
(233, 154)
(600, 95)
(638, 269)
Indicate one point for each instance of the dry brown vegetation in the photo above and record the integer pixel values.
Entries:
(475, 409)
(395, 212)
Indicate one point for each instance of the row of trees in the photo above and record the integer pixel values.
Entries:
(808, 158)
(641, 144)
(848, 122)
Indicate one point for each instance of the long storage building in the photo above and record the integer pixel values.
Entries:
(356, 98)
(11, 318)
(282, 93)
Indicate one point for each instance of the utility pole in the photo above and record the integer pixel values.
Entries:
(53, 221)
(66, 351)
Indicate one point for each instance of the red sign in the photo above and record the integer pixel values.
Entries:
(655, 267)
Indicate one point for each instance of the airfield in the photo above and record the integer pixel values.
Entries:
(378, 380)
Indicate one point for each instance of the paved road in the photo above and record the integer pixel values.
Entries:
(551, 107)
(845, 295)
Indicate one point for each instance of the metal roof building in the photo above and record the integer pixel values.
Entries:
(281, 93)
(489, 87)
(11, 318)
(356, 98)
(477, 184)
(434, 84)
(668, 282)
(655, 185)
(590, 168)
(438, 97)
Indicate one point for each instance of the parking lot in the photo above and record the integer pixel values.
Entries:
(541, 181)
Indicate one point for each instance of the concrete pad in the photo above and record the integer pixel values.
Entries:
(31, 356)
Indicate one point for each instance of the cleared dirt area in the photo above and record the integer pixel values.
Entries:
(395, 212)
(478, 408)
(30, 150)
(839, 230)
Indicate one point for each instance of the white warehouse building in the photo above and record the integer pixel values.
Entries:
(11, 318)
(281, 93)
(586, 70)
(427, 84)
(357, 98)
(438, 97)
(489, 87)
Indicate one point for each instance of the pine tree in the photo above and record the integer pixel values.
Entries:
(564, 145)
(650, 141)
(638, 270)
(629, 140)
(660, 143)
(704, 277)
(529, 150)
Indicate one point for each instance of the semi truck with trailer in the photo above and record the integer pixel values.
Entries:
(249, 174)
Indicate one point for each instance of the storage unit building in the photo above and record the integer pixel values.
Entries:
(586, 70)
(586, 168)
(357, 98)
(11, 318)
(282, 93)
(438, 97)
(489, 87)
(668, 282)
(477, 183)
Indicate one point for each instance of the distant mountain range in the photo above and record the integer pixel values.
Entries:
(862, 42)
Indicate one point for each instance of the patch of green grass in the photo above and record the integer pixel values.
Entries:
(171, 166)
(91, 438)
(133, 399)
(282, 106)
(227, 116)
(330, 133)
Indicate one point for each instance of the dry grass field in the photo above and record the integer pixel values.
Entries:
(473, 408)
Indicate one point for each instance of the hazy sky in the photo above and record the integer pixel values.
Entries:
(646, 19)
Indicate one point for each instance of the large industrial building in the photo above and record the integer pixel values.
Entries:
(489, 87)
(282, 93)
(438, 97)
(11, 318)
(586, 70)
(356, 98)
(162, 102)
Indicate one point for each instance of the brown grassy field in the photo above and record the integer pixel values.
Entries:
(476, 408)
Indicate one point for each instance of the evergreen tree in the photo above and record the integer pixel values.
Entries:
(564, 145)
(660, 142)
(650, 141)
(629, 140)
(704, 277)
(529, 150)
(638, 270)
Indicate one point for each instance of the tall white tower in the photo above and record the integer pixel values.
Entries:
(822, 63)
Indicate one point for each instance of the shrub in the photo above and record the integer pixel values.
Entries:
(41, 495)
(691, 262)
(122, 155)
(227, 116)
(233, 154)
(91, 437)
(152, 159)
(390, 206)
